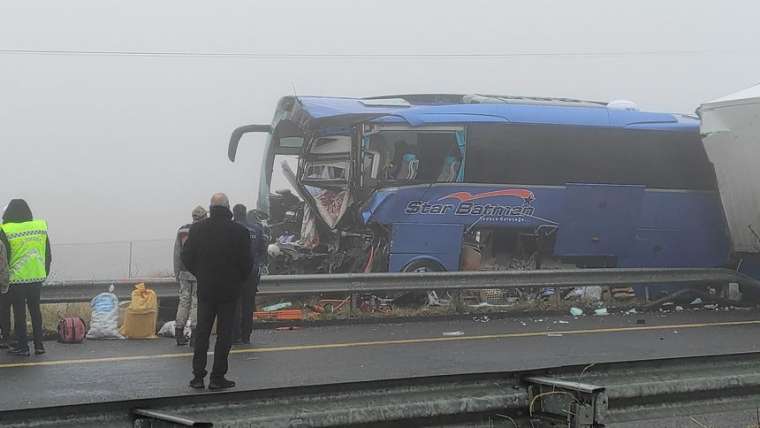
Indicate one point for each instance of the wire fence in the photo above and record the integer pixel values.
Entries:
(112, 260)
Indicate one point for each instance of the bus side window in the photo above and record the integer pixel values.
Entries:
(408, 156)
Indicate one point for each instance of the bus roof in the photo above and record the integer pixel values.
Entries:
(437, 109)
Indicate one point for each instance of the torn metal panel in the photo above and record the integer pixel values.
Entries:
(731, 135)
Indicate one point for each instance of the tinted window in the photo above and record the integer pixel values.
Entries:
(555, 155)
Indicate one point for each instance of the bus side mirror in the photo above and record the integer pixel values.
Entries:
(237, 134)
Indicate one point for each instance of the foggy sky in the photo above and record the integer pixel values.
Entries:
(123, 147)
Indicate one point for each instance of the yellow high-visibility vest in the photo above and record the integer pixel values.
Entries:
(28, 248)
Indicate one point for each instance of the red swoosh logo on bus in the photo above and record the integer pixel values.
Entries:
(524, 194)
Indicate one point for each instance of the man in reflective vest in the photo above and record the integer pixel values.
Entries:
(29, 258)
(5, 320)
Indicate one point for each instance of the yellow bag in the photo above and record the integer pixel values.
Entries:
(143, 299)
(141, 314)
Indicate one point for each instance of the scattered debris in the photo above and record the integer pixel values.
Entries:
(631, 311)
(288, 328)
(675, 331)
(563, 322)
(333, 305)
(277, 307)
(373, 303)
(697, 301)
(168, 330)
(623, 293)
(453, 333)
(547, 292)
(601, 312)
(576, 312)
(592, 293)
(679, 308)
(488, 305)
(576, 293)
(734, 293)
(281, 315)
(483, 318)
(434, 300)
(711, 306)
(524, 324)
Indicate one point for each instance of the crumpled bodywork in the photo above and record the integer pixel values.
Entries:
(731, 135)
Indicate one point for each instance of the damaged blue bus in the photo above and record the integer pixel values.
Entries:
(474, 182)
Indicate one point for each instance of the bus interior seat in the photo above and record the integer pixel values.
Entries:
(408, 167)
(450, 170)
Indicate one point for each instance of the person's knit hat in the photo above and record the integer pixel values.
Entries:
(199, 213)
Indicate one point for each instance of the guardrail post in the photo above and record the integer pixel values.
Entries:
(458, 302)
(129, 269)
(352, 305)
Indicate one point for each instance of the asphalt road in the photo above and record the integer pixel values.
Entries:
(98, 371)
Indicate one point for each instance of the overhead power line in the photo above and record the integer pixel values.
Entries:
(354, 55)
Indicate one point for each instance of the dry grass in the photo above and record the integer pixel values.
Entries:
(52, 313)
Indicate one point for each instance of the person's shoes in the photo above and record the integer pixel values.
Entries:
(39, 349)
(197, 383)
(217, 384)
(179, 333)
(21, 352)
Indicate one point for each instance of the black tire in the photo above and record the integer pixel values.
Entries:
(424, 265)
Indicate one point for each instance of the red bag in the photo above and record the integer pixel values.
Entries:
(71, 330)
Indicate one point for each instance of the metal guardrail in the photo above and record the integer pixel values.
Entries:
(608, 392)
(82, 291)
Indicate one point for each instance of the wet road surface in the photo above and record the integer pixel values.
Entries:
(129, 369)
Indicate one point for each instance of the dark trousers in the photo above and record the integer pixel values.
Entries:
(244, 308)
(25, 296)
(243, 324)
(223, 312)
(5, 316)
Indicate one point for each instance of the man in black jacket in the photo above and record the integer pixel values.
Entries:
(217, 253)
(243, 324)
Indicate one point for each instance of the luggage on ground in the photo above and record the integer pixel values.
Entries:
(71, 330)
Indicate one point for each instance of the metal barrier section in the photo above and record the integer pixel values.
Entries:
(82, 291)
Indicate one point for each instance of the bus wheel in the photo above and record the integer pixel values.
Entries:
(431, 297)
(424, 266)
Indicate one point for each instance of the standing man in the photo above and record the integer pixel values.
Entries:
(243, 324)
(260, 251)
(29, 258)
(188, 286)
(218, 253)
(5, 315)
